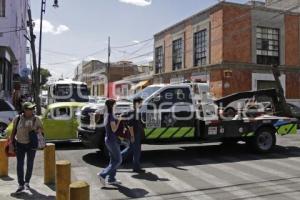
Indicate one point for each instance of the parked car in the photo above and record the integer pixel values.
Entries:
(7, 113)
(60, 121)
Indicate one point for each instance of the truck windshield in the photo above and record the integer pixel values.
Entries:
(146, 92)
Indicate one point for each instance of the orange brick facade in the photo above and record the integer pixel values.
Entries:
(292, 40)
(232, 46)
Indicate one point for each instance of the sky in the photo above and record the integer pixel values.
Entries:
(78, 30)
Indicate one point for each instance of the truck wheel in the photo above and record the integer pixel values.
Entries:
(230, 112)
(264, 140)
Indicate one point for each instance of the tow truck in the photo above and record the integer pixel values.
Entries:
(174, 113)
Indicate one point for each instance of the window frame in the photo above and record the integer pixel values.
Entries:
(159, 59)
(267, 45)
(177, 54)
(200, 48)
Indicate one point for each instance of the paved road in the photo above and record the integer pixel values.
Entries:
(193, 172)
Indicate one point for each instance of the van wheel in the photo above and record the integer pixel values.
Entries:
(264, 140)
(3, 126)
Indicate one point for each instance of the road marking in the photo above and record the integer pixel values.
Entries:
(184, 188)
(218, 182)
(254, 180)
(269, 170)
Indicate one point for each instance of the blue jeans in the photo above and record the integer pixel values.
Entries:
(22, 150)
(134, 150)
(115, 160)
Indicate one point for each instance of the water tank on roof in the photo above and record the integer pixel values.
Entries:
(256, 3)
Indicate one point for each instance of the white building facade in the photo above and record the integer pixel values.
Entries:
(13, 23)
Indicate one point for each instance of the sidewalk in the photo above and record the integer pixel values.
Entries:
(39, 191)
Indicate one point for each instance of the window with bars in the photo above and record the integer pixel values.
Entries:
(200, 48)
(267, 46)
(159, 59)
(177, 54)
(2, 8)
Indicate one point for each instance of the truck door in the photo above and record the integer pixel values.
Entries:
(170, 115)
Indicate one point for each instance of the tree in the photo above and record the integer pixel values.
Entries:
(45, 74)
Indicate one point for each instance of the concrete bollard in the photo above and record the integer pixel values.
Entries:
(63, 179)
(79, 190)
(49, 164)
(3, 159)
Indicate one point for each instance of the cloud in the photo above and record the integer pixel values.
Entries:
(136, 41)
(142, 3)
(48, 27)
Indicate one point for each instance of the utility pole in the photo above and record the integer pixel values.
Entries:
(108, 67)
(38, 80)
(32, 46)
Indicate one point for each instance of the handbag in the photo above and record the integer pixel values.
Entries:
(37, 139)
(10, 146)
(10, 149)
(123, 131)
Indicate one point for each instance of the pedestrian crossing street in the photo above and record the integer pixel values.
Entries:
(220, 176)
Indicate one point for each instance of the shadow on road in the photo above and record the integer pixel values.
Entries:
(7, 178)
(190, 155)
(33, 195)
(149, 176)
(129, 192)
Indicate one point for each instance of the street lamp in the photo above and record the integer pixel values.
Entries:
(38, 76)
(55, 4)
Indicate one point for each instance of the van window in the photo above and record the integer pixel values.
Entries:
(4, 106)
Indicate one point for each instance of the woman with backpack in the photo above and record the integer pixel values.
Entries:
(23, 125)
(112, 144)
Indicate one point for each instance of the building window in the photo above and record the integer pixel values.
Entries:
(200, 48)
(2, 8)
(177, 54)
(267, 46)
(159, 60)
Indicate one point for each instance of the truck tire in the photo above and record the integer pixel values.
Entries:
(230, 112)
(264, 140)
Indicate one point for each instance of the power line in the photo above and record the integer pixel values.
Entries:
(130, 45)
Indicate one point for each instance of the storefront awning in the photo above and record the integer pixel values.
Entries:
(139, 85)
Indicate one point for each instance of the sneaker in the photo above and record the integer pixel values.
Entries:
(102, 179)
(140, 171)
(20, 189)
(115, 182)
(27, 186)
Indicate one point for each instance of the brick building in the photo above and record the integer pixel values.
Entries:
(232, 47)
(95, 74)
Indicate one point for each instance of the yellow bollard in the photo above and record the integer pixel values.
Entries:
(49, 164)
(63, 179)
(3, 159)
(79, 190)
